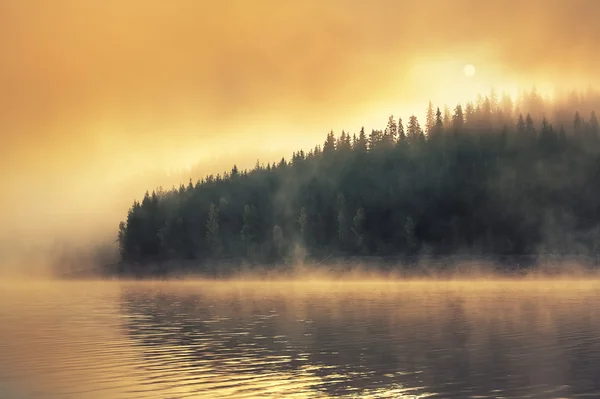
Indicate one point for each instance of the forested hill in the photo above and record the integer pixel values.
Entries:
(492, 178)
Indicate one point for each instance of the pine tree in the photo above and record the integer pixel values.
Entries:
(521, 125)
(458, 119)
(486, 113)
(249, 231)
(577, 123)
(122, 239)
(494, 105)
(438, 127)
(361, 143)
(548, 136)
(447, 117)
(213, 236)
(469, 113)
(529, 128)
(343, 143)
(429, 119)
(358, 228)
(414, 130)
(375, 138)
(348, 143)
(391, 131)
(329, 145)
(401, 134)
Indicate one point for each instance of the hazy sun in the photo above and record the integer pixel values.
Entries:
(469, 70)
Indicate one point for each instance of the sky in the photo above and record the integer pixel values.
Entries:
(96, 94)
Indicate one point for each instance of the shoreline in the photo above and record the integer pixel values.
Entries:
(424, 267)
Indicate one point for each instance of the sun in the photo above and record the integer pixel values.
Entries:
(469, 70)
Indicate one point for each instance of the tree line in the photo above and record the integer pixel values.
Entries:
(494, 177)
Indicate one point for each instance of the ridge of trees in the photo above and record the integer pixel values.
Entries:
(493, 177)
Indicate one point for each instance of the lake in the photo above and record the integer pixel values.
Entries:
(303, 339)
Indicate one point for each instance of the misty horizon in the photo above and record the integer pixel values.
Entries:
(96, 95)
(554, 105)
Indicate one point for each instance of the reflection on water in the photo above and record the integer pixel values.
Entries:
(301, 340)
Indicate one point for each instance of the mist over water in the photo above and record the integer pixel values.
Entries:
(302, 339)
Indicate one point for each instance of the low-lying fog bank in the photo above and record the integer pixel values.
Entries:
(449, 268)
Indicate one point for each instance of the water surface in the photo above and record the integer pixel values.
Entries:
(536, 339)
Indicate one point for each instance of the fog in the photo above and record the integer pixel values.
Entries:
(95, 94)
(454, 269)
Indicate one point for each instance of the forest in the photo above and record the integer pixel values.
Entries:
(495, 177)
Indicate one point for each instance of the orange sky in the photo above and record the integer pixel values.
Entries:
(94, 92)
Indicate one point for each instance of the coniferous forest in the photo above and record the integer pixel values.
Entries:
(494, 177)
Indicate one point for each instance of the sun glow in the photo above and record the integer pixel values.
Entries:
(469, 70)
(451, 79)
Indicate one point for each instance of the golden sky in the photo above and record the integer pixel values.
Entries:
(93, 92)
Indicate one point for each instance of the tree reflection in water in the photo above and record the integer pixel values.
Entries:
(431, 339)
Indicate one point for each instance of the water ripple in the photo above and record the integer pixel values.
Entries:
(184, 340)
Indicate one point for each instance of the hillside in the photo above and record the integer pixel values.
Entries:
(492, 178)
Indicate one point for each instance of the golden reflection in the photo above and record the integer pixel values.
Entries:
(299, 339)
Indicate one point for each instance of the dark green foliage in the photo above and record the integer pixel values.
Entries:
(250, 230)
(430, 119)
(401, 134)
(485, 180)
(458, 119)
(414, 133)
(358, 228)
(213, 236)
